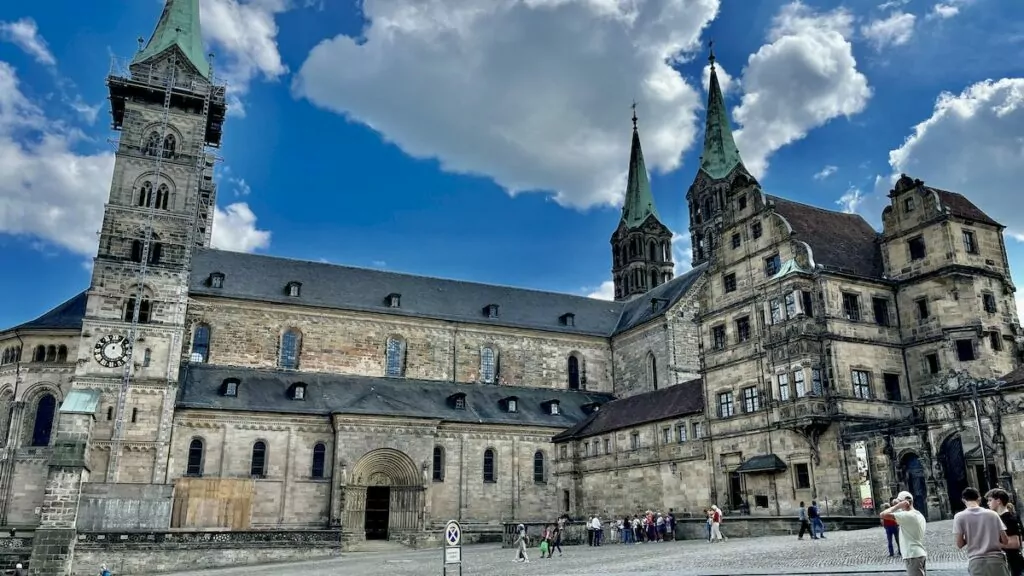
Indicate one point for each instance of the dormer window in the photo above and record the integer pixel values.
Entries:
(457, 401)
(298, 391)
(394, 300)
(216, 280)
(511, 404)
(230, 387)
(491, 310)
(552, 407)
(294, 289)
(567, 319)
(657, 303)
(590, 407)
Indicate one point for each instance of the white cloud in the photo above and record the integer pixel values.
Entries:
(379, 264)
(805, 77)
(725, 81)
(24, 34)
(1020, 306)
(47, 190)
(896, 30)
(976, 132)
(947, 9)
(234, 229)
(242, 187)
(532, 93)
(87, 112)
(851, 200)
(606, 291)
(825, 172)
(892, 4)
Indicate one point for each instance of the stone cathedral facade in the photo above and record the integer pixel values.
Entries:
(804, 356)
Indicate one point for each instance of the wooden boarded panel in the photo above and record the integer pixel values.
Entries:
(213, 503)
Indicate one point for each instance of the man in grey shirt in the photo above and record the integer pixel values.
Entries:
(982, 532)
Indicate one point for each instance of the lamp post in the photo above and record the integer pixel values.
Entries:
(989, 480)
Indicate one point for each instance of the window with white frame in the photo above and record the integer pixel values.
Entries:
(798, 384)
(861, 384)
(783, 387)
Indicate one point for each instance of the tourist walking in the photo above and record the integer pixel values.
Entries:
(805, 525)
(556, 541)
(892, 531)
(999, 502)
(522, 541)
(982, 533)
(716, 524)
(912, 527)
(817, 524)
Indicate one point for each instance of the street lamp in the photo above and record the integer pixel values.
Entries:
(989, 480)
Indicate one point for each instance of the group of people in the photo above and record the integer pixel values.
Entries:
(551, 539)
(990, 536)
(648, 527)
(810, 521)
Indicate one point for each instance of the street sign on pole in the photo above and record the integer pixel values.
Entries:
(452, 546)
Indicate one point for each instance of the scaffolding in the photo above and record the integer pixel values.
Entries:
(164, 82)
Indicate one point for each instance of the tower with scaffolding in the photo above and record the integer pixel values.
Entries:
(169, 111)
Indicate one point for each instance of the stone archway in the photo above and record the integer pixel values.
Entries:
(385, 496)
(914, 476)
(954, 469)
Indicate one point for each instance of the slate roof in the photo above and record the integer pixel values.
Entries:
(264, 278)
(66, 316)
(671, 402)
(841, 242)
(959, 205)
(1015, 377)
(641, 309)
(326, 394)
(761, 464)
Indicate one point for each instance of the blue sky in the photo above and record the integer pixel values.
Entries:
(491, 144)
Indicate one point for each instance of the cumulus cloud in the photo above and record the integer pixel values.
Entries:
(24, 34)
(803, 78)
(825, 172)
(945, 10)
(976, 132)
(851, 200)
(534, 94)
(1020, 307)
(606, 291)
(234, 229)
(896, 30)
(725, 81)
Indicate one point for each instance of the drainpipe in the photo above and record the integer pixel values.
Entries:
(903, 349)
(455, 351)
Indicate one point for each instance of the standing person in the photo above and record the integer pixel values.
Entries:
(716, 523)
(805, 525)
(19, 571)
(596, 525)
(911, 536)
(999, 502)
(817, 524)
(559, 528)
(981, 531)
(892, 531)
(707, 523)
(522, 541)
(590, 531)
(104, 571)
(671, 521)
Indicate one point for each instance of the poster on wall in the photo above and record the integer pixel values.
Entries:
(860, 449)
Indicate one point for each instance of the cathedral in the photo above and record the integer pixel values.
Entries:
(805, 356)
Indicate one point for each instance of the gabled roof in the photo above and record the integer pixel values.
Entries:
(178, 27)
(841, 242)
(326, 394)
(1015, 377)
(66, 316)
(720, 155)
(263, 278)
(671, 402)
(641, 309)
(960, 206)
(762, 464)
(639, 202)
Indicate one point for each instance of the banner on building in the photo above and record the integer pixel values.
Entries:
(860, 450)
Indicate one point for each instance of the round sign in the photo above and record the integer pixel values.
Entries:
(452, 533)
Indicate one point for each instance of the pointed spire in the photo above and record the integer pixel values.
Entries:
(639, 202)
(178, 26)
(720, 152)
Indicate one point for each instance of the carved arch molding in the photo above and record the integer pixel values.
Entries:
(394, 469)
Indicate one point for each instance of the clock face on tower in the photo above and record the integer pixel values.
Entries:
(112, 351)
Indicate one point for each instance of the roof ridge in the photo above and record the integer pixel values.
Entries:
(855, 215)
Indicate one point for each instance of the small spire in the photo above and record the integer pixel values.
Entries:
(711, 53)
(634, 114)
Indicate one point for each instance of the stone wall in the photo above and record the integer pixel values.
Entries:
(106, 507)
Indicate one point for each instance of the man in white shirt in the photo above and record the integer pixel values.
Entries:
(912, 527)
(595, 524)
(982, 532)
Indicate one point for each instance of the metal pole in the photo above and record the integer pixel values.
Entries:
(981, 435)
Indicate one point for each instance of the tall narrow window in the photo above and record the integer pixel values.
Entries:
(816, 386)
(201, 344)
(652, 370)
(40, 354)
(169, 145)
(438, 467)
(195, 458)
(861, 384)
(136, 251)
(487, 365)
(62, 353)
(42, 428)
(145, 194)
(489, 465)
(144, 310)
(798, 383)
(783, 387)
(162, 194)
(319, 458)
(289, 357)
(394, 358)
(51, 353)
(152, 144)
(538, 467)
(573, 366)
(258, 466)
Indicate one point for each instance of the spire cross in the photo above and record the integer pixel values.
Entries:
(634, 114)
(711, 55)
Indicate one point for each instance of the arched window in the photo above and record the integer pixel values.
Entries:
(110, 412)
(488, 365)
(62, 353)
(17, 354)
(655, 277)
(319, 458)
(6, 357)
(438, 464)
(652, 251)
(195, 458)
(258, 466)
(489, 465)
(136, 251)
(169, 144)
(40, 354)
(574, 372)
(394, 364)
(289, 357)
(155, 252)
(51, 353)
(162, 194)
(42, 428)
(144, 309)
(652, 370)
(201, 344)
(538, 468)
(145, 193)
(152, 145)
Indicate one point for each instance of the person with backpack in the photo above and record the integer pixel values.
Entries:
(999, 502)
(521, 542)
(104, 571)
(805, 525)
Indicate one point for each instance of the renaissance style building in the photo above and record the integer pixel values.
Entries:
(804, 356)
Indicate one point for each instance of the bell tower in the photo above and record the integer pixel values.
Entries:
(721, 170)
(169, 111)
(641, 244)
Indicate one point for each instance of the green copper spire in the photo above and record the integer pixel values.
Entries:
(178, 26)
(639, 202)
(720, 152)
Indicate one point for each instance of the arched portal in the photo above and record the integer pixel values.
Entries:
(385, 497)
(954, 468)
(913, 474)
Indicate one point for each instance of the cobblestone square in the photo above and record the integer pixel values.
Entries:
(849, 553)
